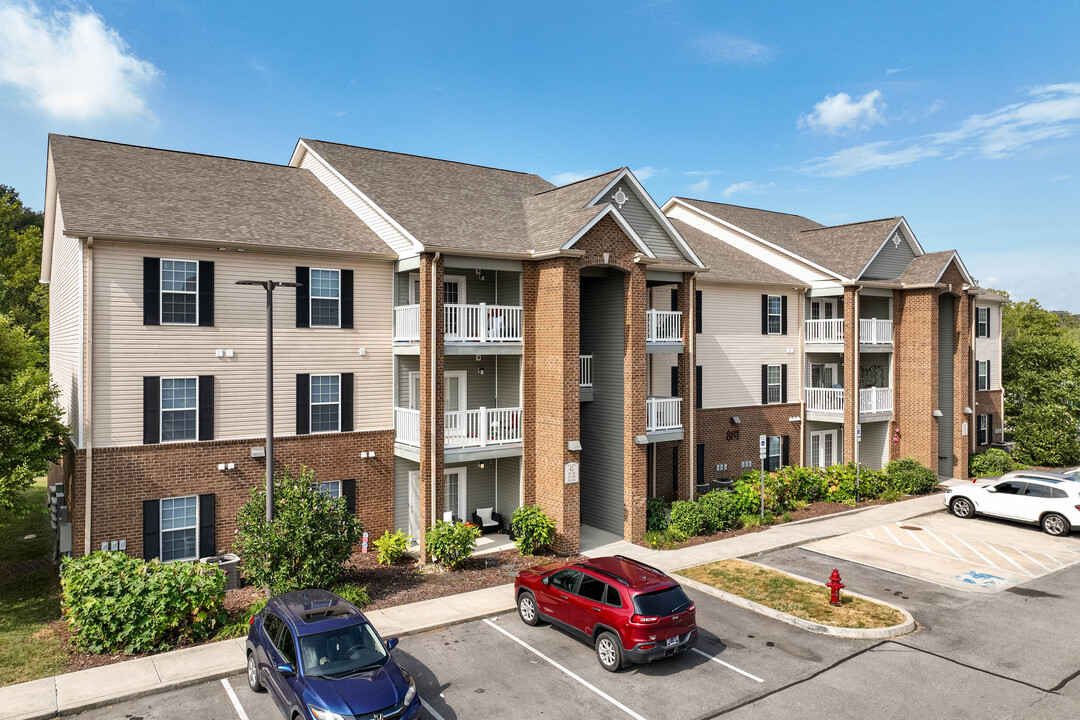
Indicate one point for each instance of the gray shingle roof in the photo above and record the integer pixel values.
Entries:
(555, 216)
(124, 190)
(441, 203)
(726, 263)
(926, 268)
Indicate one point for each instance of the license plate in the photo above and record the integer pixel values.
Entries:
(674, 640)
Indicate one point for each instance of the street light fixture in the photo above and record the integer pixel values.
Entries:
(269, 286)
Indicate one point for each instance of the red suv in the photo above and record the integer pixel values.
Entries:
(629, 611)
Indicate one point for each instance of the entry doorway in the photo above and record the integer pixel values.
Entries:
(823, 447)
(455, 491)
(416, 513)
(823, 309)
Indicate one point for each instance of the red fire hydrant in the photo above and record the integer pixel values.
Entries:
(834, 585)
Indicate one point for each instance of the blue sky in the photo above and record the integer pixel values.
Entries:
(963, 117)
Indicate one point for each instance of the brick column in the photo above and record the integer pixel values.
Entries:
(963, 372)
(687, 389)
(851, 371)
(431, 413)
(915, 375)
(635, 457)
(551, 374)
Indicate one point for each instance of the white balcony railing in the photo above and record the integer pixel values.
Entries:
(663, 413)
(663, 326)
(586, 370)
(875, 400)
(407, 323)
(875, 332)
(826, 400)
(407, 426)
(824, 331)
(482, 427)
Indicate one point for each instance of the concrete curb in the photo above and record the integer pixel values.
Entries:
(892, 631)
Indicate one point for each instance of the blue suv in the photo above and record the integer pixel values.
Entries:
(322, 660)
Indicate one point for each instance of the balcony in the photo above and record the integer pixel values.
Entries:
(875, 332)
(831, 332)
(479, 428)
(875, 400)
(663, 326)
(663, 414)
(830, 401)
(481, 323)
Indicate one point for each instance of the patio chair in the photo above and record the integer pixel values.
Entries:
(487, 520)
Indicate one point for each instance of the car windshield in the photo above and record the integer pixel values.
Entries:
(342, 652)
(662, 602)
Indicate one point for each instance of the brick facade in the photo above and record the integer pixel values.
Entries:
(851, 371)
(915, 375)
(731, 445)
(123, 477)
(988, 402)
(432, 400)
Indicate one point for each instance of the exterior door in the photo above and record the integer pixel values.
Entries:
(416, 513)
(454, 491)
(454, 403)
(822, 309)
(454, 318)
(823, 447)
(824, 375)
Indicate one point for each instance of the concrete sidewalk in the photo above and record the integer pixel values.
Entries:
(73, 692)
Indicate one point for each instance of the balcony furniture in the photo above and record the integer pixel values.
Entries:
(487, 520)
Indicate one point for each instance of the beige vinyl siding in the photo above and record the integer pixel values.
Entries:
(989, 348)
(731, 348)
(66, 324)
(361, 207)
(777, 259)
(125, 350)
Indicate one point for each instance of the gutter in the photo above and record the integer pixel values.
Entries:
(434, 374)
(88, 425)
(230, 245)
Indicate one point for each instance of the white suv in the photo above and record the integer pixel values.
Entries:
(1050, 503)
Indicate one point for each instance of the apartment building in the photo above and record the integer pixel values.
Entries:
(465, 337)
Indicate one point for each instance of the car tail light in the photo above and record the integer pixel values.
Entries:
(252, 622)
(692, 608)
(650, 646)
(643, 619)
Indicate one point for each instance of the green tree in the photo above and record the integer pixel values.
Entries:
(22, 296)
(31, 433)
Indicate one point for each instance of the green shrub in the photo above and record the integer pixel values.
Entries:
(753, 520)
(239, 626)
(533, 529)
(664, 539)
(720, 510)
(748, 494)
(992, 462)
(791, 484)
(656, 519)
(356, 594)
(451, 544)
(115, 603)
(308, 542)
(838, 483)
(392, 546)
(687, 517)
(910, 477)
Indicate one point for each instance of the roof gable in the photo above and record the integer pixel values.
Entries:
(727, 263)
(896, 252)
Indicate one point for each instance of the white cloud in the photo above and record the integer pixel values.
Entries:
(645, 173)
(700, 173)
(701, 186)
(746, 187)
(725, 47)
(840, 114)
(1053, 113)
(893, 71)
(565, 178)
(69, 64)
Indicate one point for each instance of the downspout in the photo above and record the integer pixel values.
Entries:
(802, 377)
(973, 371)
(88, 426)
(858, 391)
(692, 303)
(434, 375)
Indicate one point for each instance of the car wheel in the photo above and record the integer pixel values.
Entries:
(962, 508)
(1054, 524)
(609, 651)
(527, 610)
(253, 674)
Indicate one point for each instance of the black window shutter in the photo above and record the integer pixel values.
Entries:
(701, 463)
(697, 311)
(989, 429)
(207, 526)
(206, 407)
(675, 468)
(988, 375)
(764, 384)
(151, 411)
(206, 293)
(697, 393)
(783, 383)
(151, 291)
(303, 404)
(785, 458)
(303, 308)
(348, 489)
(987, 322)
(674, 381)
(674, 300)
(347, 299)
(764, 314)
(151, 528)
(346, 402)
(783, 314)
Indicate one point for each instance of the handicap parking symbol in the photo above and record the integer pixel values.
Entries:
(982, 579)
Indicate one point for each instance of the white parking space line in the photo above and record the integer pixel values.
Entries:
(1029, 557)
(1054, 560)
(755, 678)
(887, 530)
(431, 710)
(235, 700)
(985, 559)
(566, 672)
(943, 543)
(870, 534)
(1018, 566)
(917, 539)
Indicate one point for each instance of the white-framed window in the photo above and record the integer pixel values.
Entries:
(179, 292)
(453, 289)
(179, 409)
(330, 487)
(325, 298)
(982, 376)
(984, 430)
(774, 376)
(776, 444)
(325, 403)
(982, 322)
(454, 492)
(775, 311)
(823, 447)
(180, 528)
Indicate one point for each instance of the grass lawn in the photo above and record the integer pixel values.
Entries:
(29, 601)
(782, 592)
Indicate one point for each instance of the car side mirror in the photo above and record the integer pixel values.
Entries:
(391, 643)
(991, 489)
(286, 669)
(546, 581)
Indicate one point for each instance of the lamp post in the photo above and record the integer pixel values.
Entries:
(269, 286)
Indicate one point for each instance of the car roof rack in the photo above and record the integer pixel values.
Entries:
(608, 573)
(644, 565)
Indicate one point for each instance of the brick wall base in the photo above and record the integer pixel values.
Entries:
(988, 402)
(731, 445)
